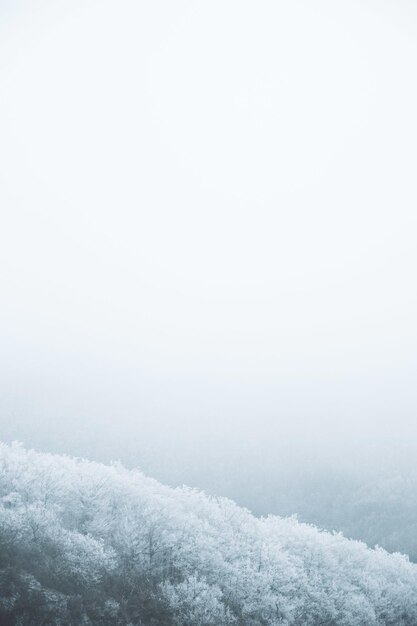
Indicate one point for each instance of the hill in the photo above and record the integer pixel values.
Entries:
(83, 543)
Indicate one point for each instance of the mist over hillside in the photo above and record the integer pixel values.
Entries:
(366, 488)
(84, 543)
(208, 256)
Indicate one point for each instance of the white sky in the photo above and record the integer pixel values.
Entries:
(208, 210)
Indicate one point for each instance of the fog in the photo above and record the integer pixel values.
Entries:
(208, 232)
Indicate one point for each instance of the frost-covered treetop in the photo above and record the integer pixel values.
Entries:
(85, 543)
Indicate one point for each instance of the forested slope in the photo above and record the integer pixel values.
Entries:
(365, 489)
(83, 543)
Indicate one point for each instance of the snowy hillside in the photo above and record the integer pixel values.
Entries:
(83, 543)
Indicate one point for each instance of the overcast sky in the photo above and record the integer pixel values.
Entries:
(208, 212)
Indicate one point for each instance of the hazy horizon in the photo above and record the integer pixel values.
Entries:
(208, 221)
